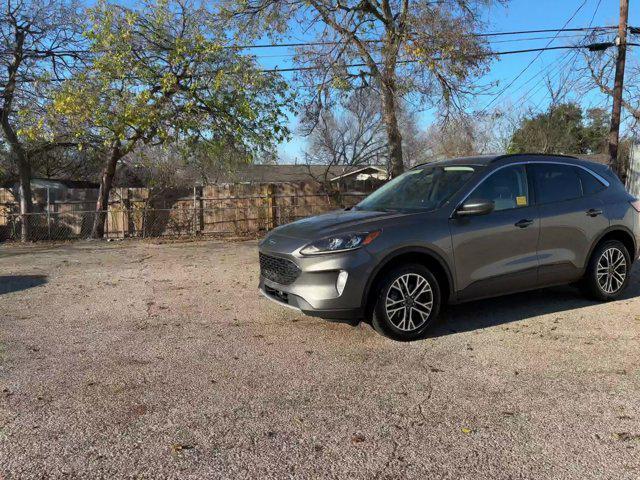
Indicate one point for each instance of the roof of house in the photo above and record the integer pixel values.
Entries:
(275, 173)
(66, 183)
(377, 169)
(54, 183)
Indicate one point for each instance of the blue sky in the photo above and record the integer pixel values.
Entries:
(517, 15)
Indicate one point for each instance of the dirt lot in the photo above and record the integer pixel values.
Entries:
(162, 361)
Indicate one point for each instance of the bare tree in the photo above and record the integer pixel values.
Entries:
(601, 68)
(38, 42)
(349, 136)
(398, 47)
(459, 136)
(414, 148)
(598, 73)
(352, 134)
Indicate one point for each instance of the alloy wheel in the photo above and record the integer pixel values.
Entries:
(611, 271)
(409, 302)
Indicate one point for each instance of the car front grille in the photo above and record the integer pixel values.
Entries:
(279, 270)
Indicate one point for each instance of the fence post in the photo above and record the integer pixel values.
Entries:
(195, 211)
(48, 213)
(124, 209)
(272, 206)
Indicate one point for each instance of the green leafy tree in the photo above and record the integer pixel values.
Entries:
(562, 129)
(159, 76)
(426, 50)
(596, 131)
(38, 44)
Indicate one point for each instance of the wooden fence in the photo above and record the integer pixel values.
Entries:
(239, 209)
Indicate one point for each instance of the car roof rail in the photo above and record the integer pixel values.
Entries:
(515, 155)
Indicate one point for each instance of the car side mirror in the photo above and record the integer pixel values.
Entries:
(475, 207)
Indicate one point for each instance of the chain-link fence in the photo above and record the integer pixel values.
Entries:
(237, 216)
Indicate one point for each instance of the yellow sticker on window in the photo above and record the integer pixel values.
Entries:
(521, 201)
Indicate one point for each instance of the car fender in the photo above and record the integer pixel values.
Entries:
(388, 258)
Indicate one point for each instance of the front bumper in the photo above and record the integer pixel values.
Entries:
(314, 290)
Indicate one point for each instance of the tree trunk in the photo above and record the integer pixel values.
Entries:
(19, 156)
(390, 117)
(106, 181)
(26, 203)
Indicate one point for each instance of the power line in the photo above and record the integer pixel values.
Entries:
(479, 55)
(557, 71)
(356, 65)
(494, 99)
(575, 58)
(487, 34)
(311, 44)
(545, 70)
(547, 37)
(526, 39)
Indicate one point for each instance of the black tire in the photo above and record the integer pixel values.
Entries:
(595, 284)
(413, 304)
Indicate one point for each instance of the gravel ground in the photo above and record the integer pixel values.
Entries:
(163, 361)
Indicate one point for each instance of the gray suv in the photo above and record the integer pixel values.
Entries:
(454, 231)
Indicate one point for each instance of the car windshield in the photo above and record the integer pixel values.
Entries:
(419, 189)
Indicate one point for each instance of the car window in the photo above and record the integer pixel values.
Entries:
(419, 189)
(590, 184)
(556, 183)
(507, 188)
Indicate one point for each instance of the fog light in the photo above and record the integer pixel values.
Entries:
(342, 281)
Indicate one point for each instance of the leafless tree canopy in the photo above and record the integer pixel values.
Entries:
(599, 71)
(397, 47)
(351, 135)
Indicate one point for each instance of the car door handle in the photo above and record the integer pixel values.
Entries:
(524, 223)
(594, 212)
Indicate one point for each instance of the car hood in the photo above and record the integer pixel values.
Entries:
(334, 222)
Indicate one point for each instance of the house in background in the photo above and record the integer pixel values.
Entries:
(365, 179)
(344, 178)
(57, 190)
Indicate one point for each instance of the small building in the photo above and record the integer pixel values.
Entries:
(57, 190)
(346, 178)
(365, 179)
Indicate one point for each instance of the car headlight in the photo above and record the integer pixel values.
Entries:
(340, 243)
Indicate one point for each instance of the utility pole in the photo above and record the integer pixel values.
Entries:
(614, 133)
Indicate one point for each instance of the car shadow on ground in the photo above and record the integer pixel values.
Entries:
(491, 312)
(17, 283)
(521, 306)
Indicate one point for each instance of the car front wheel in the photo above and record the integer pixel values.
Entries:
(408, 303)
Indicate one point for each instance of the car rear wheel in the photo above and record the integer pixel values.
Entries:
(608, 272)
(408, 303)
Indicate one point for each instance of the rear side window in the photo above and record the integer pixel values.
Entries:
(556, 183)
(590, 184)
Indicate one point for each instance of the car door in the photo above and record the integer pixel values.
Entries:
(496, 253)
(571, 219)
